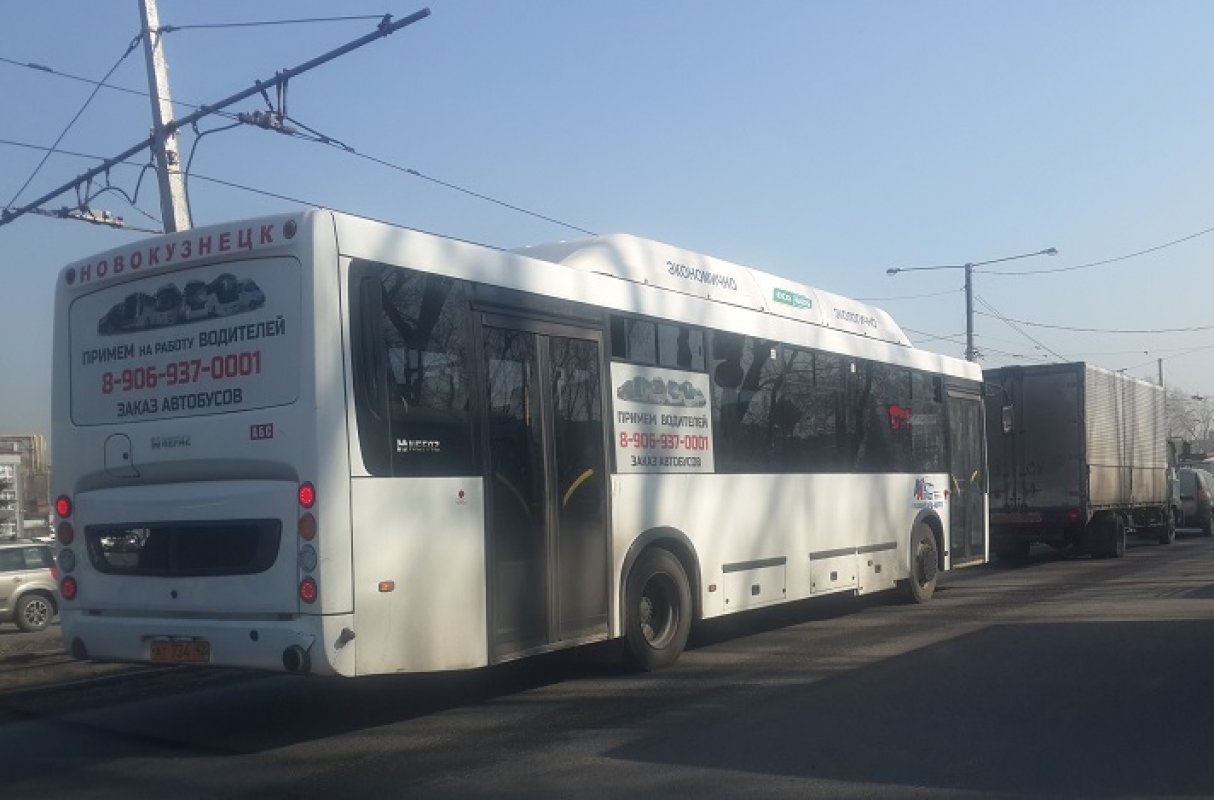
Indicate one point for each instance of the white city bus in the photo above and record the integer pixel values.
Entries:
(390, 451)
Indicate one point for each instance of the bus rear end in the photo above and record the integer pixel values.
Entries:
(194, 376)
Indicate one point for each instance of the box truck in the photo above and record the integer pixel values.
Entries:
(1077, 457)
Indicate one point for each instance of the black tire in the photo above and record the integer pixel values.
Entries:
(924, 565)
(657, 610)
(1117, 545)
(1207, 526)
(1167, 531)
(1105, 537)
(34, 612)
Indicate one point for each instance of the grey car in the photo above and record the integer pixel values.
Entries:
(1196, 487)
(28, 585)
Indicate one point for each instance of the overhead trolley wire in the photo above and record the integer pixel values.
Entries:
(134, 43)
(320, 138)
(1180, 354)
(214, 25)
(1013, 325)
(1075, 329)
(263, 192)
(104, 85)
(1097, 263)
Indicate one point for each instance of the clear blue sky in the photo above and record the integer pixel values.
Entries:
(824, 141)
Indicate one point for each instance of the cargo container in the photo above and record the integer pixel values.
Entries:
(1077, 457)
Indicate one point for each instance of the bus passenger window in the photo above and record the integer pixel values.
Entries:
(681, 347)
(745, 389)
(422, 354)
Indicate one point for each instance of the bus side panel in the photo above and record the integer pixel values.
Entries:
(419, 574)
(819, 524)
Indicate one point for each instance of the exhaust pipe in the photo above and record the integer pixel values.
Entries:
(296, 660)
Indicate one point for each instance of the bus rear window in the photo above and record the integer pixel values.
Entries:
(172, 549)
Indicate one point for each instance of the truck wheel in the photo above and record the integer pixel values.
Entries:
(657, 610)
(1117, 545)
(924, 565)
(1167, 531)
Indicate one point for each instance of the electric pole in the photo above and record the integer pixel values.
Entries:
(174, 207)
(386, 27)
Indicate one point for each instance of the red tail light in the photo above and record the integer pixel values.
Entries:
(1203, 495)
(307, 590)
(55, 574)
(69, 588)
(65, 533)
(63, 506)
(307, 495)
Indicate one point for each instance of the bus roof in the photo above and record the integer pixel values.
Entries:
(619, 256)
(651, 263)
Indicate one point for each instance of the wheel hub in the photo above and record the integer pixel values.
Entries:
(655, 613)
(927, 565)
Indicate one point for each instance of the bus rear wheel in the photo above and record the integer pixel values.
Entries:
(657, 610)
(924, 565)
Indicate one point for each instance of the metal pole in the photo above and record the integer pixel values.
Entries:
(174, 205)
(970, 355)
(384, 29)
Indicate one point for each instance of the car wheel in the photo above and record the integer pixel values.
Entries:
(34, 612)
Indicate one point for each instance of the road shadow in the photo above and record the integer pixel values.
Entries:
(1102, 709)
(233, 712)
(764, 620)
(1040, 554)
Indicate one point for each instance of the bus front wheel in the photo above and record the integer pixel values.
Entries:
(924, 565)
(657, 610)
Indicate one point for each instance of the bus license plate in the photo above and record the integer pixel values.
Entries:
(196, 651)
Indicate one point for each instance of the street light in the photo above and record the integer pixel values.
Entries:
(970, 354)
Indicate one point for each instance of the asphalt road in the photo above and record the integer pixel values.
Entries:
(1064, 677)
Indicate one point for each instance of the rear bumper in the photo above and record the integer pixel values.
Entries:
(1052, 526)
(252, 644)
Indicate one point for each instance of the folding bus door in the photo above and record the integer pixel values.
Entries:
(967, 465)
(546, 487)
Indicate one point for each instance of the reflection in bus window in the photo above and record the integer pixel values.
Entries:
(412, 379)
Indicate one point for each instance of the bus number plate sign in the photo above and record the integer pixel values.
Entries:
(196, 651)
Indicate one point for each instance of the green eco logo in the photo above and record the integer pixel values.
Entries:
(791, 299)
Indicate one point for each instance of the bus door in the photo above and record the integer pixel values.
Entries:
(546, 484)
(967, 465)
